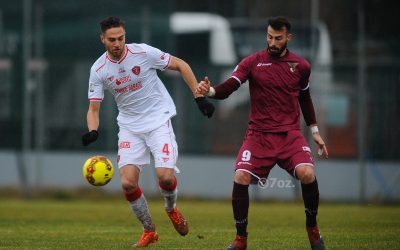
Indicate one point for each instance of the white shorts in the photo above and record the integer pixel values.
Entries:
(135, 149)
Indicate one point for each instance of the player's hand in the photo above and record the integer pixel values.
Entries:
(204, 87)
(322, 150)
(206, 107)
(89, 137)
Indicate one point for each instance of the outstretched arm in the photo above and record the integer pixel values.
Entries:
(206, 108)
(186, 72)
(220, 91)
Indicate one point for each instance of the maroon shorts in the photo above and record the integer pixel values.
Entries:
(260, 152)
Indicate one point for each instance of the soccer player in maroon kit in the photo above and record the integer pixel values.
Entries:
(279, 82)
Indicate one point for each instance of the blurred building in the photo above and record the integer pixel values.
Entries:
(64, 42)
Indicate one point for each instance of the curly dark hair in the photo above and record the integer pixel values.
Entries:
(278, 23)
(111, 22)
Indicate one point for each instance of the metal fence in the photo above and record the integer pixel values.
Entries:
(57, 88)
(44, 71)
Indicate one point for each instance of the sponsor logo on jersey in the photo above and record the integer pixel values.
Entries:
(123, 80)
(264, 64)
(292, 66)
(111, 78)
(307, 149)
(124, 144)
(121, 70)
(132, 87)
(165, 159)
(162, 57)
(136, 70)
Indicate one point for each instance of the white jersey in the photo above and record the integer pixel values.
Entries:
(143, 102)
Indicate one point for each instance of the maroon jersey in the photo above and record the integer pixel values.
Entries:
(275, 84)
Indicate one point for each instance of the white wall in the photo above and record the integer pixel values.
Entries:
(210, 177)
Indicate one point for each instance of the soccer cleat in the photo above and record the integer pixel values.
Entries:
(180, 223)
(146, 239)
(239, 243)
(316, 241)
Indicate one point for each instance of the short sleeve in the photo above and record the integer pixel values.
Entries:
(96, 88)
(242, 70)
(157, 58)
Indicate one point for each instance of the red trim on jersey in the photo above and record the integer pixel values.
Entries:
(126, 53)
(120, 60)
(143, 52)
(102, 65)
(169, 61)
(95, 99)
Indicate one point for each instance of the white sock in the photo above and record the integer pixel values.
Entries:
(170, 198)
(141, 210)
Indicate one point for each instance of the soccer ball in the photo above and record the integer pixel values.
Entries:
(98, 170)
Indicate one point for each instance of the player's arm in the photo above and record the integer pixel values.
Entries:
(93, 115)
(188, 76)
(186, 72)
(92, 119)
(307, 108)
(220, 91)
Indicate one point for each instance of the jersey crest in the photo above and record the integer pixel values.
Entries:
(136, 70)
(292, 66)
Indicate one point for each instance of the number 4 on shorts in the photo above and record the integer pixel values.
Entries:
(165, 149)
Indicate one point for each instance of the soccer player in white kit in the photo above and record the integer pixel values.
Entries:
(145, 107)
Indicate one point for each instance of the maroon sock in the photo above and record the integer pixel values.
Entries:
(240, 205)
(310, 194)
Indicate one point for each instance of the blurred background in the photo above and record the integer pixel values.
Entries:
(48, 46)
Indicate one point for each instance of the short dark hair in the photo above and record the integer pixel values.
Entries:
(111, 22)
(278, 23)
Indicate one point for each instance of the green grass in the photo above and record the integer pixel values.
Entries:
(109, 224)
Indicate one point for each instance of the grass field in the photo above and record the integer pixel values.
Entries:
(109, 224)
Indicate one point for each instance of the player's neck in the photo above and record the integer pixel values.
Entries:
(118, 57)
(283, 53)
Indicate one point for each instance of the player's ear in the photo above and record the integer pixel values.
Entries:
(289, 36)
(102, 38)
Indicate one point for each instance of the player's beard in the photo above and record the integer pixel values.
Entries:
(116, 53)
(276, 52)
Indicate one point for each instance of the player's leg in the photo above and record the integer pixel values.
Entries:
(164, 148)
(252, 157)
(132, 150)
(168, 188)
(310, 193)
(133, 194)
(240, 207)
(297, 160)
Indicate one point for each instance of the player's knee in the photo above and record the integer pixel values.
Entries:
(129, 186)
(242, 177)
(167, 182)
(305, 174)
